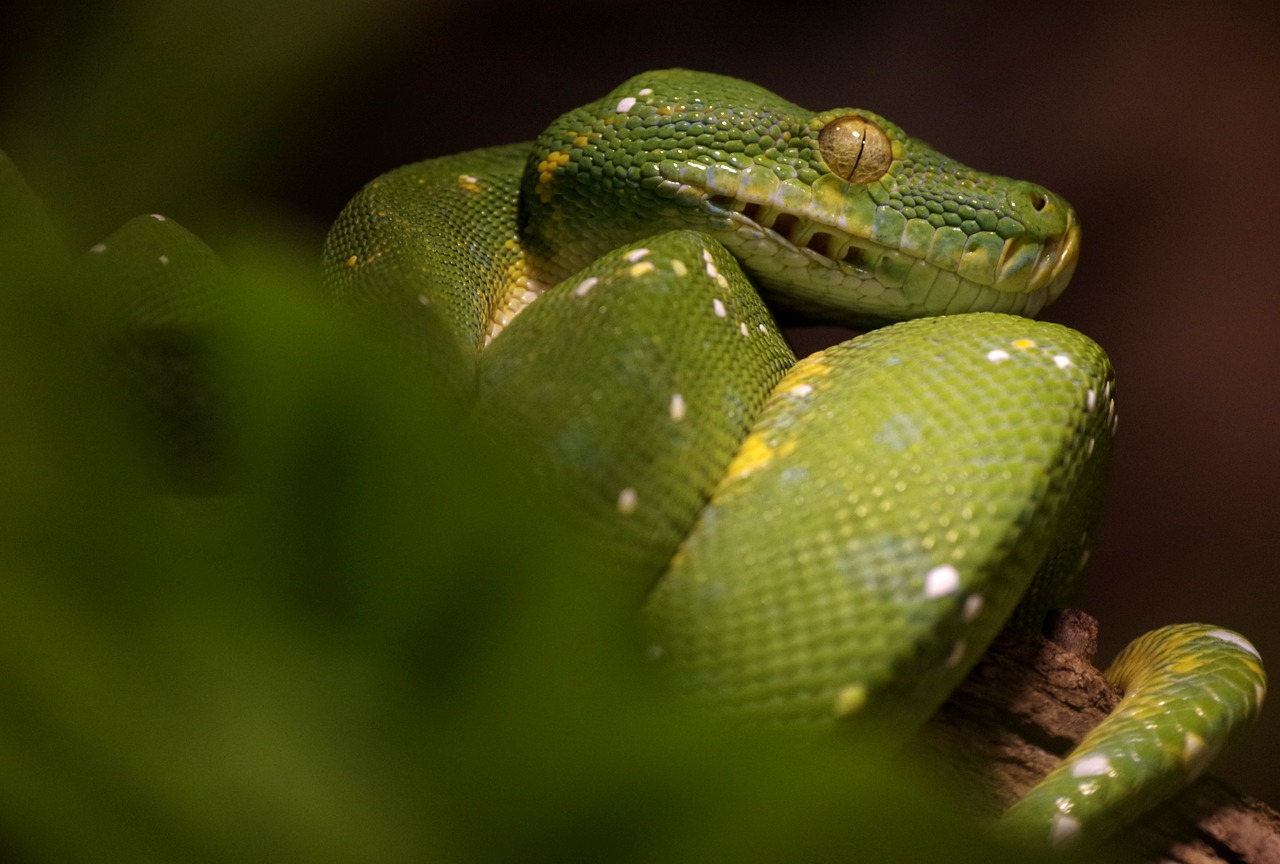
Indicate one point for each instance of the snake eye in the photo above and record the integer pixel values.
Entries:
(855, 148)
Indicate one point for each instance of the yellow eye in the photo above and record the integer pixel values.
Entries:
(855, 148)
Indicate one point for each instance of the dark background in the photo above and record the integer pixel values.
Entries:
(1159, 122)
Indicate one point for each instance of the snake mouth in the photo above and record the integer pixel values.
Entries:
(820, 261)
(1027, 264)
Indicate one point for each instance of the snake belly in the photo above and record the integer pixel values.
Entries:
(826, 543)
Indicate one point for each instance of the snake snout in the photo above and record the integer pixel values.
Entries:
(1043, 257)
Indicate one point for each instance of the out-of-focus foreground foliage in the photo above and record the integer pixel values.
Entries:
(370, 640)
(320, 616)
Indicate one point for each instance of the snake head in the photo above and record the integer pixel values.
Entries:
(837, 214)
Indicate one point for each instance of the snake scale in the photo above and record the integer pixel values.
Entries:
(828, 543)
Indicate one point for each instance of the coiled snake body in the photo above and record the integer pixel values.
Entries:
(826, 542)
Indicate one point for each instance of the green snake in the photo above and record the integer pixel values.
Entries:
(829, 543)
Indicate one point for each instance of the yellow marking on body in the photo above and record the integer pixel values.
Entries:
(849, 700)
(547, 168)
(640, 269)
(1024, 344)
(468, 183)
(1185, 665)
(353, 260)
(678, 268)
(580, 142)
(515, 290)
(754, 454)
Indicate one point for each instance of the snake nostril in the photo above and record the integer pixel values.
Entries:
(1039, 201)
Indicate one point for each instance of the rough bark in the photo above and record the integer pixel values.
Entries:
(1028, 702)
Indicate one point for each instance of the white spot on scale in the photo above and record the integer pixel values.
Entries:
(677, 407)
(424, 299)
(762, 328)
(98, 248)
(957, 653)
(157, 217)
(164, 259)
(999, 355)
(1092, 766)
(1062, 361)
(1063, 829)
(972, 608)
(627, 501)
(801, 390)
(625, 104)
(742, 328)
(1090, 400)
(646, 91)
(718, 305)
(941, 581)
(1192, 746)
(711, 264)
(1235, 639)
(585, 285)
(636, 254)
